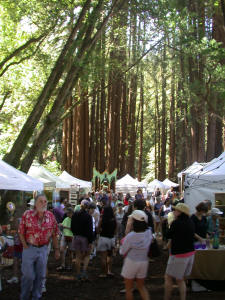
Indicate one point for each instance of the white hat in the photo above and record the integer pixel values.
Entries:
(215, 211)
(139, 215)
(31, 202)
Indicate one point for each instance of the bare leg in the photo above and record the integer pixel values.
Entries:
(182, 288)
(168, 287)
(109, 264)
(86, 260)
(78, 261)
(129, 288)
(142, 289)
(104, 262)
(63, 256)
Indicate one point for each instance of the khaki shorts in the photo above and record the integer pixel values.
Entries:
(179, 267)
(134, 269)
(105, 244)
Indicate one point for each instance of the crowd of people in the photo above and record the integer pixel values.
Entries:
(103, 223)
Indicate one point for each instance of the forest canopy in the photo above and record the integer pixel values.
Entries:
(133, 85)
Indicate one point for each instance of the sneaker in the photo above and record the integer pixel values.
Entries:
(13, 280)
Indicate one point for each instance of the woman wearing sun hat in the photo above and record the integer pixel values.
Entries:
(180, 262)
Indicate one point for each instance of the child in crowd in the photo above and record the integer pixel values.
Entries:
(66, 241)
(17, 256)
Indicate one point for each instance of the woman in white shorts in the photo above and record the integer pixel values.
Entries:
(135, 248)
(180, 262)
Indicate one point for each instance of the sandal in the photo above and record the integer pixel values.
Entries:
(102, 276)
(60, 268)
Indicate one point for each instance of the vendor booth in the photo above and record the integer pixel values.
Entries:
(54, 187)
(13, 179)
(48, 178)
(153, 185)
(128, 184)
(78, 186)
(75, 181)
(169, 183)
(207, 183)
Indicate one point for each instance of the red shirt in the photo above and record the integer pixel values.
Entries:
(38, 231)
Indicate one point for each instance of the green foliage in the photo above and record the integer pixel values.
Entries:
(166, 20)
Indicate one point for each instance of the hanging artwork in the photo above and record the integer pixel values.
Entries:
(104, 180)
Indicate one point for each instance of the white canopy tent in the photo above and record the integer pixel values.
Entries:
(152, 186)
(75, 181)
(195, 167)
(204, 184)
(128, 184)
(13, 179)
(169, 183)
(49, 179)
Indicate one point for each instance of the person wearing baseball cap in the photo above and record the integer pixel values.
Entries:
(181, 242)
(135, 247)
(31, 203)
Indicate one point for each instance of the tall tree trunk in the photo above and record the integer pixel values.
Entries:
(193, 75)
(219, 36)
(132, 100)
(92, 133)
(172, 142)
(141, 128)
(201, 96)
(158, 128)
(81, 59)
(97, 134)
(123, 142)
(102, 107)
(162, 170)
(18, 148)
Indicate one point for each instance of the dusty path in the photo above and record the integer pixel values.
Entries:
(64, 287)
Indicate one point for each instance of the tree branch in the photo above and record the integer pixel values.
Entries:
(21, 60)
(21, 48)
(4, 99)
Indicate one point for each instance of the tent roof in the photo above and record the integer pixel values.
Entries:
(73, 180)
(49, 179)
(13, 179)
(205, 183)
(129, 182)
(170, 183)
(156, 184)
(211, 171)
(191, 169)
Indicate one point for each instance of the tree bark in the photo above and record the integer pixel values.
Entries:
(162, 170)
(141, 128)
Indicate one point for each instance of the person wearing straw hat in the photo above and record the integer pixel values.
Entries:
(181, 243)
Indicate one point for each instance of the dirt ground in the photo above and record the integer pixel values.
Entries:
(62, 285)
